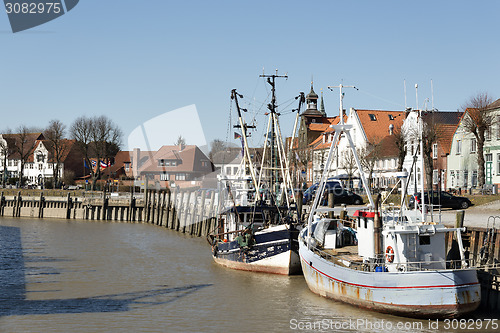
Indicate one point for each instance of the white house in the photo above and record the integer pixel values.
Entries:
(370, 128)
(462, 163)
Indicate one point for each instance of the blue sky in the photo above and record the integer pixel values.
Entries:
(135, 60)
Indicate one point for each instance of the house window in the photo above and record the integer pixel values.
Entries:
(498, 128)
(473, 145)
(498, 163)
(452, 176)
(204, 164)
(180, 176)
(435, 151)
(474, 178)
(372, 117)
(435, 176)
(487, 133)
(466, 178)
(457, 173)
(127, 166)
(489, 157)
(391, 117)
(164, 176)
(459, 147)
(40, 158)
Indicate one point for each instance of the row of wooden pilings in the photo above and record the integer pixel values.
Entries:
(482, 245)
(191, 212)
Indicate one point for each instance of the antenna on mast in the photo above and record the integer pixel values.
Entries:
(416, 93)
(432, 95)
(404, 85)
(341, 112)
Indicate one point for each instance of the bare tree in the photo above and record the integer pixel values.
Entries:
(216, 146)
(180, 141)
(98, 139)
(24, 142)
(348, 163)
(369, 156)
(430, 136)
(478, 120)
(400, 141)
(57, 147)
(5, 152)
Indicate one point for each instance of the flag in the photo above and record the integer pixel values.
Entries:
(104, 165)
(85, 164)
(237, 135)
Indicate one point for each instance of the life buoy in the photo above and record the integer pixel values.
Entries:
(389, 254)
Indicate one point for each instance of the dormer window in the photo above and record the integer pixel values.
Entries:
(372, 117)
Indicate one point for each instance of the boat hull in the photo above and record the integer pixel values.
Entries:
(422, 294)
(274, 251)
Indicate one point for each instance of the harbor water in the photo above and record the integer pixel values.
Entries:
(82, 276)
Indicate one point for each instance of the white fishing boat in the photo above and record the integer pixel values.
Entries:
(395, 260)
(258, 220)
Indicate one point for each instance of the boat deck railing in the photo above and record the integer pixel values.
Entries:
(379, 264)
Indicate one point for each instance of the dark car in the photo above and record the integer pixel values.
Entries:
(342, 196)
(331, 186)
(443, 199)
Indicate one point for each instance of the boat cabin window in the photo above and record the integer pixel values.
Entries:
(424, 240)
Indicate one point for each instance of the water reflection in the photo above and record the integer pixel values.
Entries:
(13, 286)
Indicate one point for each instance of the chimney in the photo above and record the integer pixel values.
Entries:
(136, 155)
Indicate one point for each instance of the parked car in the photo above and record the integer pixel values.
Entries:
(332, 185)
(443, 199)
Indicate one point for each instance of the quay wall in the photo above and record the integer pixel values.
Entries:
(191, 212)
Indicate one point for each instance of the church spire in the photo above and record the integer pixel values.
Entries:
(322, 105)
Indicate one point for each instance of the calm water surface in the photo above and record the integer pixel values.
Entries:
(62, 276)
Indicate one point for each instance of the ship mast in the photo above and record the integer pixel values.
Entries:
(244, 127)
(271, 79)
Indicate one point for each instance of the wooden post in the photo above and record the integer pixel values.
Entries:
(68, 206)
(459, 219)
(162, 211)
(496, 248)
(211, 213)
(167, 208)
(17, 212)
(186, 213)
(146, 205)
(193, 219)
(104, 204)
(300, 198)
(178, 209)
(331, 204)
(2, 204)
(201, 214)
(343, 212)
